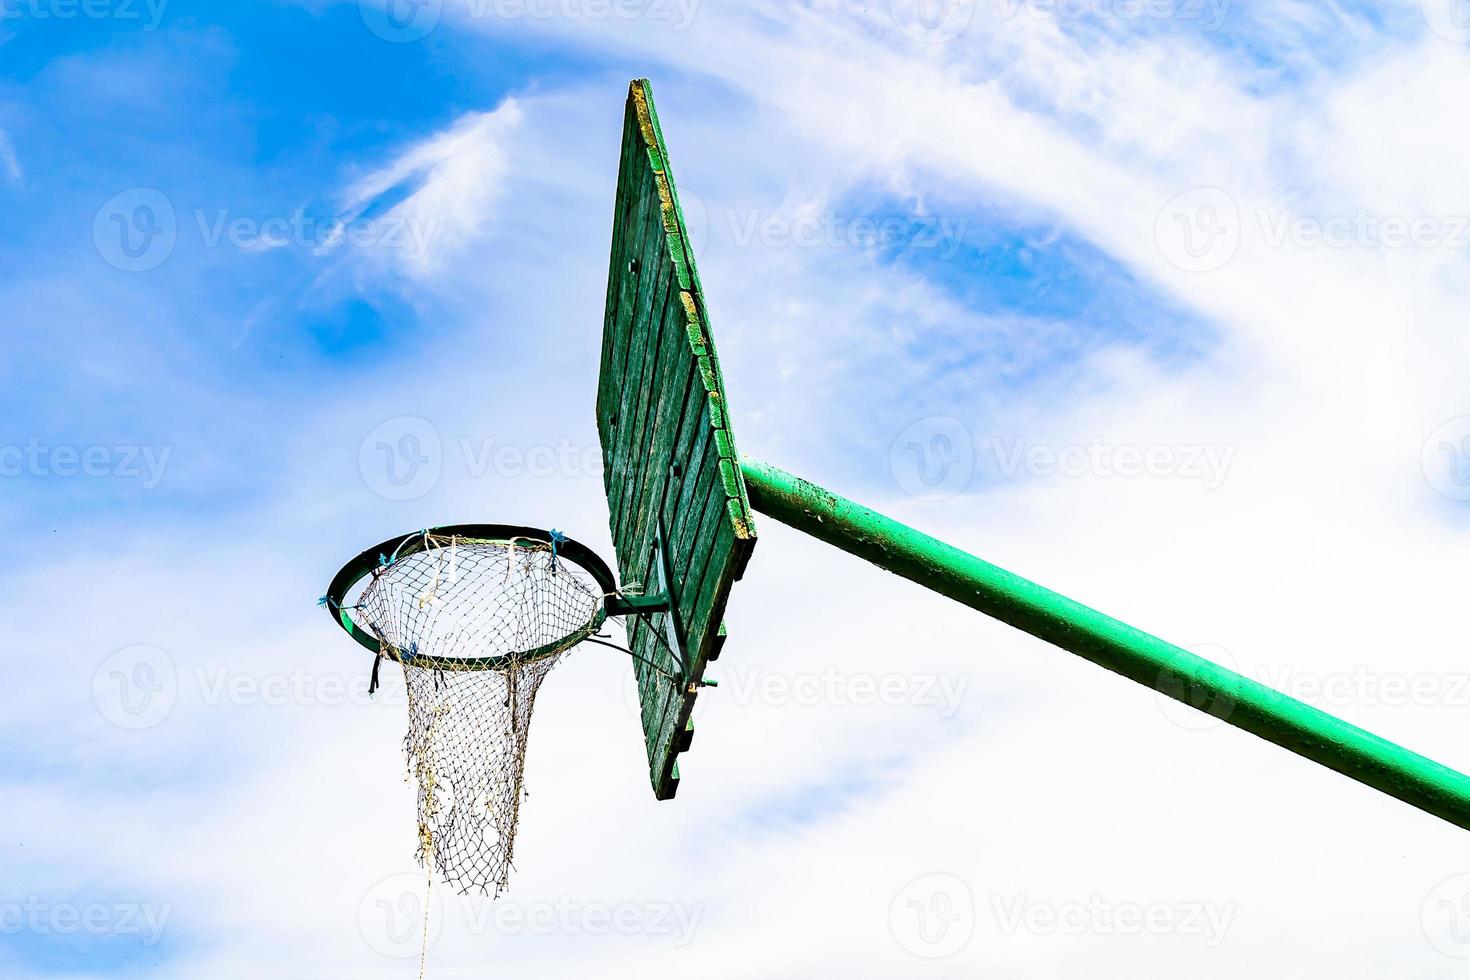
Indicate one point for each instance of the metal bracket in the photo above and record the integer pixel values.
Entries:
(661, 600)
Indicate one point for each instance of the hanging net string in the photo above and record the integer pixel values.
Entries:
(476, 625)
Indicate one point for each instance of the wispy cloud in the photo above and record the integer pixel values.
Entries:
(9, 161)
(441, 193)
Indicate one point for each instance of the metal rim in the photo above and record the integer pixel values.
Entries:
(416, 541)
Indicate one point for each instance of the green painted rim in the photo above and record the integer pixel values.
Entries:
(408, 544)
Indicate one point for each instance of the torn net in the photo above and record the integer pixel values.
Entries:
(513, 604)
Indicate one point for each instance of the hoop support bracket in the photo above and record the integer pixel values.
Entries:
(662, 600)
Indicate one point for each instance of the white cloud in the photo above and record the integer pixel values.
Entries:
(9, 162)
(453, 181)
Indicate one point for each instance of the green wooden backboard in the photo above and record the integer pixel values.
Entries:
(671, 470)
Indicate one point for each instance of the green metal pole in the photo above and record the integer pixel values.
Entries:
(1174, 671)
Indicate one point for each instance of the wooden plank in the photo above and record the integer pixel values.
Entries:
(617, 260)
(674, 378)
(651, 308)
(647, 294)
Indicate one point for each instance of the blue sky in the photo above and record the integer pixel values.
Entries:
(952, 267)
